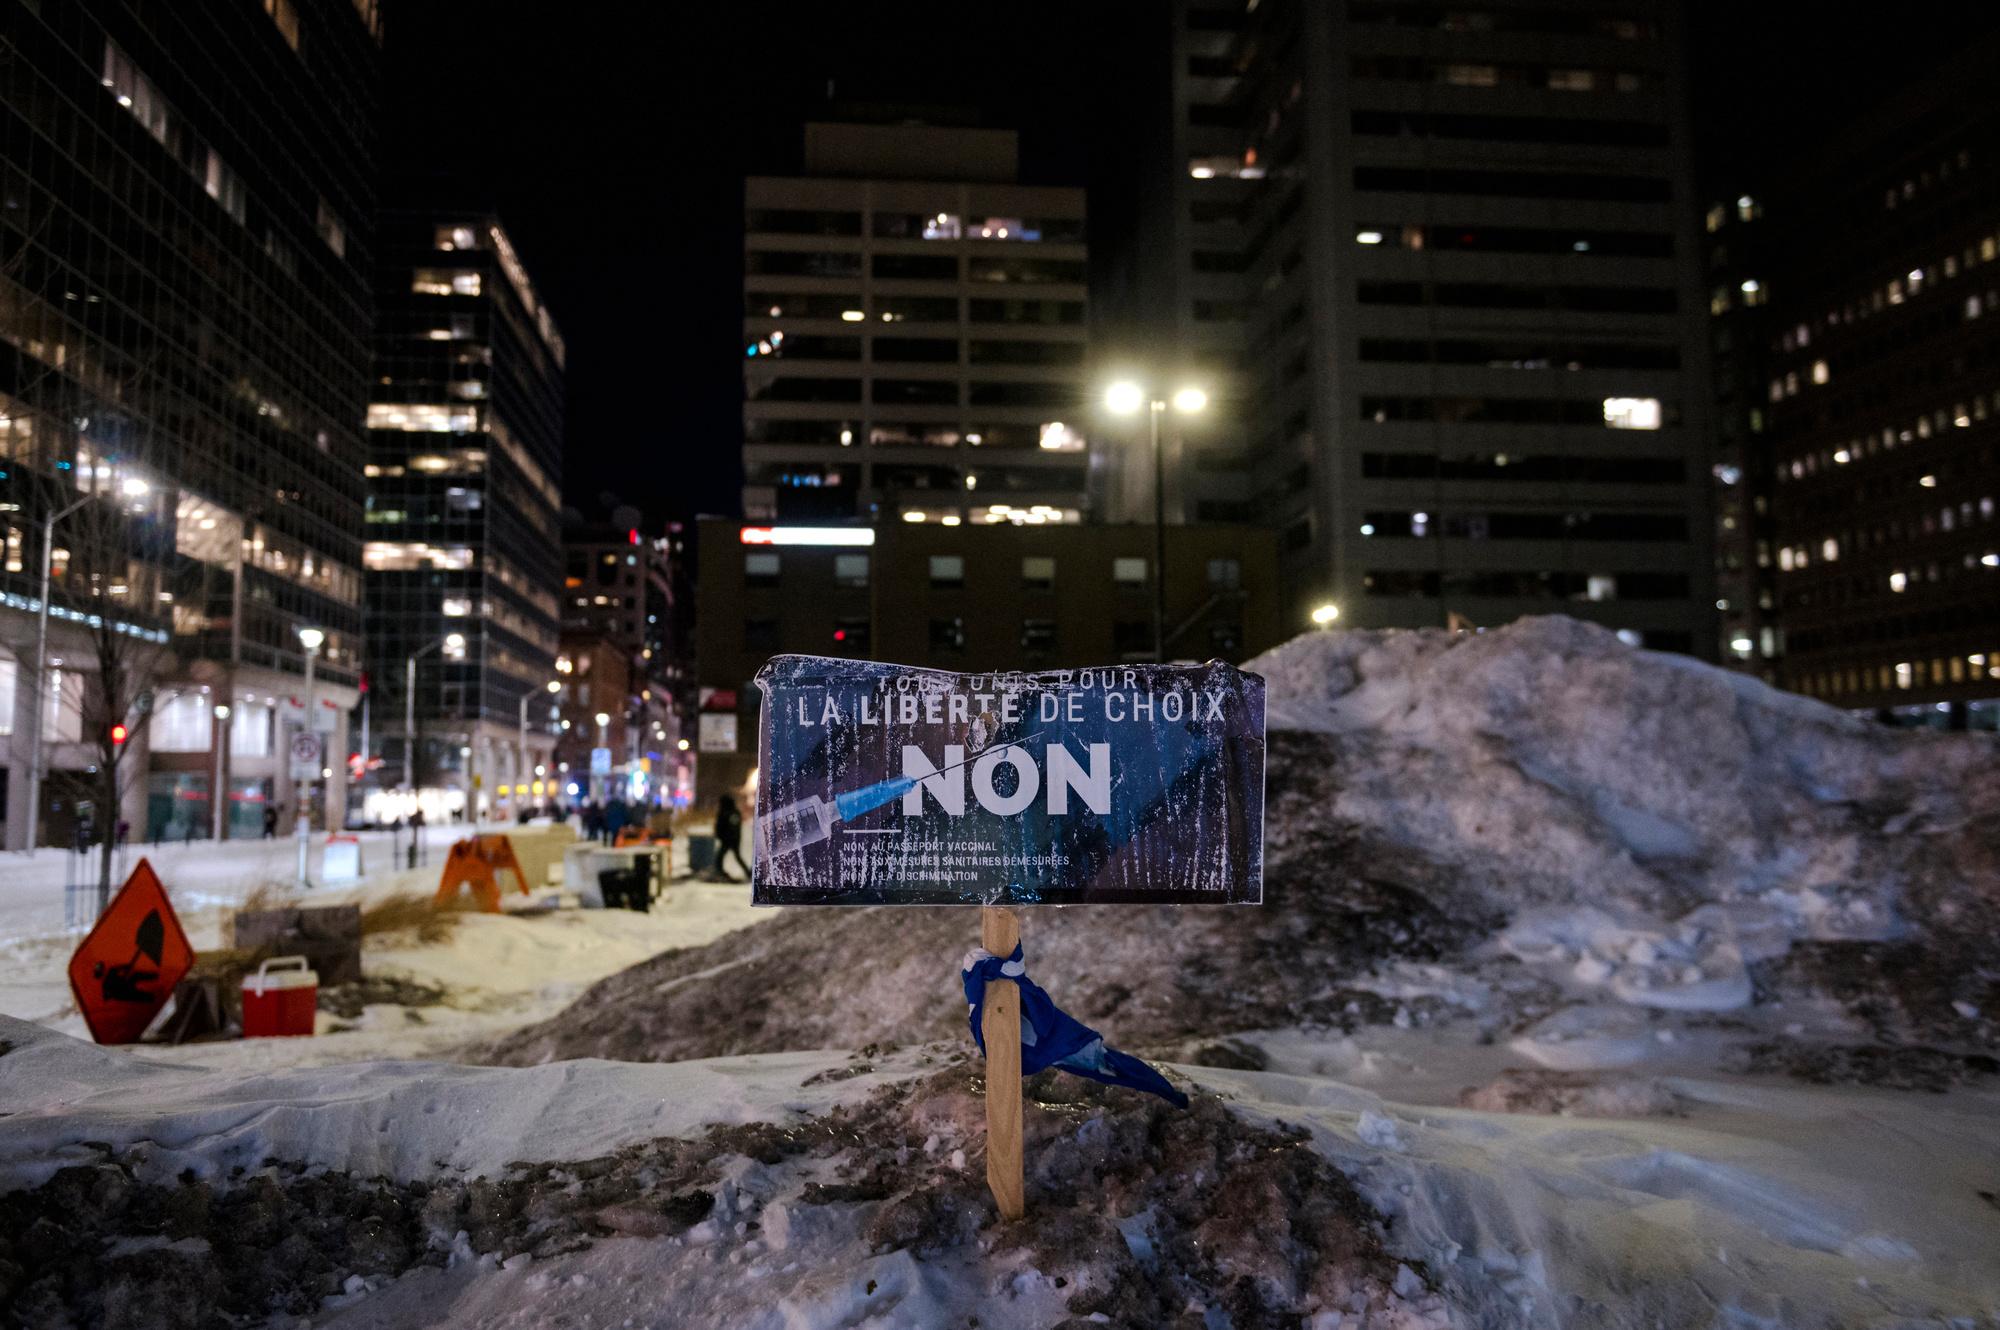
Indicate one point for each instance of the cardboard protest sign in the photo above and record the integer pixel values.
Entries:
(882, 784)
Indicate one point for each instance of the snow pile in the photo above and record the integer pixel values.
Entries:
(837, 1193)
(1538, 816)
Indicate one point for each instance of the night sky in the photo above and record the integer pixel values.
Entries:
(613, 140)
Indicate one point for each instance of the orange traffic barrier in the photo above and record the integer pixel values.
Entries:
(477, 862)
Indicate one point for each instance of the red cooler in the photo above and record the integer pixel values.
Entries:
(280, 998)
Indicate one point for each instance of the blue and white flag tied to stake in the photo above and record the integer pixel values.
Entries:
(1051, 1037)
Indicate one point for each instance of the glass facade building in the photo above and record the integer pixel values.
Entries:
(186, 204)
(463, 537)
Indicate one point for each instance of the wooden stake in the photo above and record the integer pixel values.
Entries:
(1000, 933)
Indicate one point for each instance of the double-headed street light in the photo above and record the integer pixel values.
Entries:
(1124, 398)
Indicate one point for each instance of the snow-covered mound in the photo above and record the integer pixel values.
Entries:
(1583, 833)
(803, 1192)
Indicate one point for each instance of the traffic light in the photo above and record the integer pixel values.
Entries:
(118, 733)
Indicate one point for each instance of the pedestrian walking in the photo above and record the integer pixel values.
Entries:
(729, 835)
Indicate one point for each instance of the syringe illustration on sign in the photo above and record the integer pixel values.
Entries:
(882, 784)
(809, 821)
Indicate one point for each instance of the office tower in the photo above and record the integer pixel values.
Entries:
(1882, 405)
(621, 656)
(914, 333)
(186, 206)
(463, 552)
(1438, 267)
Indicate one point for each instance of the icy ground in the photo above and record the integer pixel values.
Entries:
(1592, 988)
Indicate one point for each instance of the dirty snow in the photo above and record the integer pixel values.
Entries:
(1608, 989)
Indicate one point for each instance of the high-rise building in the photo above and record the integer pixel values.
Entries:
(463, 551)
(914, 333)
(1882, 405)
(621, 657)
(186, 206)
(1741, 257)
(1437, 267)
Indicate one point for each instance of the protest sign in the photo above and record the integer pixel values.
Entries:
(880, 784)
(1128, 784)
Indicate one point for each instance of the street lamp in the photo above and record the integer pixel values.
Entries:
(603, 719)
(1324, 615)
(311, 639)
(554, 686)
(1124, 398)
(221, 741)
(454, 645)
(40, 677)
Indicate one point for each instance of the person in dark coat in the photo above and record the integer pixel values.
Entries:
(270, 822)
(729, 835)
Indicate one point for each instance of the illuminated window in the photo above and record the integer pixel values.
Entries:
(445, 282)
(330, 229)
(456, 237)
(225, 186)
(400, 556)
(1057, 437)
(1820, 373)
(455, 607)
(1632, 412)
(850, 570)
(1572, 80)
(947, 570)
(434, 417)
(286, 16)
(1128, 572)
(135, 92)
(1472, 76)
(1038, 572)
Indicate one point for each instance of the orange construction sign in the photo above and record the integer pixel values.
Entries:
(127, 968)
(477, 862)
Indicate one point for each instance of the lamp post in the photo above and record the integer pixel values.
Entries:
(220, 794)
(39, 681)
(521, 758)
(310, 639)
(451, 642)
(1124, 398)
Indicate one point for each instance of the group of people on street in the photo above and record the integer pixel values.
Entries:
(603, 821)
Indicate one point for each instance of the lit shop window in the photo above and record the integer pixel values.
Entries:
(445, 282)
(426, 416)
(1632, 412)
(456, 237)
(1056, 437)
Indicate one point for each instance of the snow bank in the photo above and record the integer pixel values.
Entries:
(1630, 828)
(397, 1120)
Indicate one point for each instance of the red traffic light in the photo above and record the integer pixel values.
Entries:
(118, 733)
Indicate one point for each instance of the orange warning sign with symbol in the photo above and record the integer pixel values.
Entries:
(127, 968)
